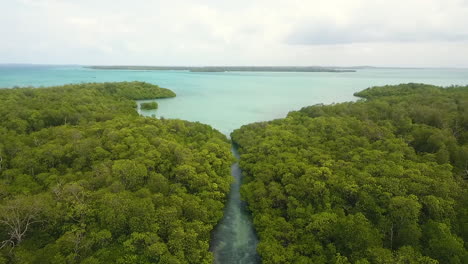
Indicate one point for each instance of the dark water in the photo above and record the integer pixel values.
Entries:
(234, 240)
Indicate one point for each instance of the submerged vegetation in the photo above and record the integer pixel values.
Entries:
(84, 179)
(149, 106)
(381, 180)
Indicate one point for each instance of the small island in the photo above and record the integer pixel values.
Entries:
(149, 106)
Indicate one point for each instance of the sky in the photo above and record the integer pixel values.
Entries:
(399, 33)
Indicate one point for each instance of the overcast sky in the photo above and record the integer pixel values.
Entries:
(419, 33)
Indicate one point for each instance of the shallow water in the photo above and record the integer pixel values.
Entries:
(229, 100)
(234, 240)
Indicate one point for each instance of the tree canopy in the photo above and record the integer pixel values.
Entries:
(84, 179)
(380, 180)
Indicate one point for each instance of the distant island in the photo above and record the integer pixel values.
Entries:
(225, 68)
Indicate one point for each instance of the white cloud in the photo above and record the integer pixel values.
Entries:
(256, 32)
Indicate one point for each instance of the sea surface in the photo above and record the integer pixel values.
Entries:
(229, 100)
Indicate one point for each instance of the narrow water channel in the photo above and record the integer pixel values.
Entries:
(234, 240)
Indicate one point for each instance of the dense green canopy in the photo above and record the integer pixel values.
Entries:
(84, 179)
(381, 180)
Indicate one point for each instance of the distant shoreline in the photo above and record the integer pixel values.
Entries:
(224, 68)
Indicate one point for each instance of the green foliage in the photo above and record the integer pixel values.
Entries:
(398, 90)
(25, 110)
(149, 106)
(109, 186)
(381, 180)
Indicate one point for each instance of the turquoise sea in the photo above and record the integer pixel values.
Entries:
(231, 99)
